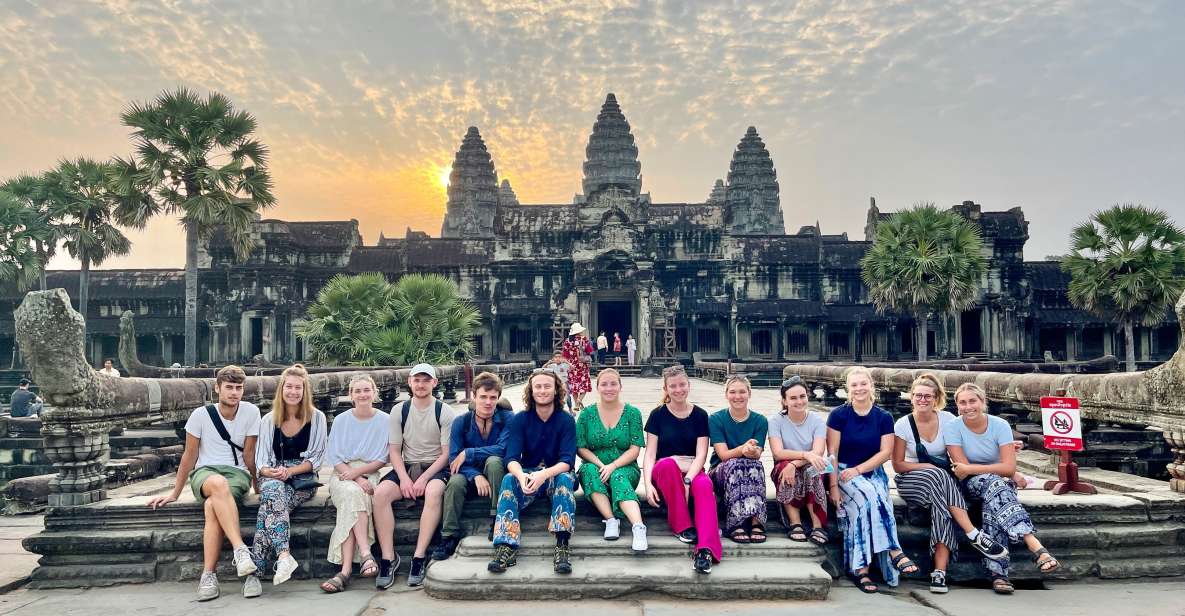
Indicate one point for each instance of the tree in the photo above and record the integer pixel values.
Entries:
(365, 320)
(196, 157)
(41, 229)
(81, 195)
(1126, 263)
(19, 233)
(924, 260)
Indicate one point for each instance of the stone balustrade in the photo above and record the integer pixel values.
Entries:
(84, 406)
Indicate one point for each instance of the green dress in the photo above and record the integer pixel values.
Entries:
(608, 445)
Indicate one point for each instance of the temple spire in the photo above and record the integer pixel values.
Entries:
(472, 190)
(611, 158)
(753, 205)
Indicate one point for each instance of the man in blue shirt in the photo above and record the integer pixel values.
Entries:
(476, 447)
(24, 402)
(540, 456)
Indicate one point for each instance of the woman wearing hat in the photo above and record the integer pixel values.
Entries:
(576, 350)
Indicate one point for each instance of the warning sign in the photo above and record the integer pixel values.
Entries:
(1061, 423)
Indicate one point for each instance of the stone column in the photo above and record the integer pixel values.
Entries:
(732, 332)
(857, 334)
(166, 349)
(645, 333)
(495, 335)
(693, 335)
(219, 341)
(823, 351)
(780, 349)
(79, 453)
(1143, 344)
(535, 342)
(892, 343)
(584, 310)
(1176, 468)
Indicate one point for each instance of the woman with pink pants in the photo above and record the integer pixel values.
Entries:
(676, 452)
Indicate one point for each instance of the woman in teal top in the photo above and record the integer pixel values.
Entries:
(608, 440)
(738, 434)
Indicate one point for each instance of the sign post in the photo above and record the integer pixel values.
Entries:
(1061, 423)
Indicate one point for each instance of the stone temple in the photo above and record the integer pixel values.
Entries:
(722, 277)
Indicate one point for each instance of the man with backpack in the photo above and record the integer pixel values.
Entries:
(419, 446)
(476, 447)
(219, 466)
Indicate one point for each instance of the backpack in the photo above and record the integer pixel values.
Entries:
(407, 411)
(216, 419)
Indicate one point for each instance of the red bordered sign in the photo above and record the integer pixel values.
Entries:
(1061, 423)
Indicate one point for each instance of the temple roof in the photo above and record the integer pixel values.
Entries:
(328, 234)
(844, 254)
(113, 284)
(611, 157)
(773, 308)
(780, 249)
(752, 190)
(385, 258)
(438, 252)
(1046, 275)
(686, 214)
(538, 218)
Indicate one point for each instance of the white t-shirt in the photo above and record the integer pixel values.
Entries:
(109, 372)
(935, 448)
(602, 342)
(212, 449)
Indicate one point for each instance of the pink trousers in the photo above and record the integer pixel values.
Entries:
(668, 479)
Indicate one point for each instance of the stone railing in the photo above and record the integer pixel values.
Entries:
(1153, 398)
(83, 406)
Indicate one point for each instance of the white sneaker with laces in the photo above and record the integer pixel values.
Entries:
(639, 544)
(244, 564)
(251, 587)
(208, 586)
(285, 566)
(612, 529)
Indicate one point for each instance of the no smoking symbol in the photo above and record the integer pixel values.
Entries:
(1061, 422)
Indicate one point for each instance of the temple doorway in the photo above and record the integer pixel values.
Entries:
(614, 317)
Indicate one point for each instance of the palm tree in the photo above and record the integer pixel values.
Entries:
(924, 260)
(80, 194)
(43, 230)
(1126, 263)
(198, 158)
(365, 320)
(20, 231)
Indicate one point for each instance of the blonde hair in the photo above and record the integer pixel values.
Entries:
(738, 378)
(855, 370)
(362, 377)
(974, 389)
(561, 392)
(929, 380)
(608, 372)
(668, 373)
(304, 409)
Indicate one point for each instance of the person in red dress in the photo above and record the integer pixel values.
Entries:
(577, 350)
(617, 348)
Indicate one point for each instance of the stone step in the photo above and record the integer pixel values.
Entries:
(607, 577)
(660, 546)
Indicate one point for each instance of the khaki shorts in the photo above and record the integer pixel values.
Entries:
(239, 480)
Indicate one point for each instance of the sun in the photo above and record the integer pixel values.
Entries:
(443, 177)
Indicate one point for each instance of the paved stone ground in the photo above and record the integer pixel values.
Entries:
(15, 562)
(300, 598)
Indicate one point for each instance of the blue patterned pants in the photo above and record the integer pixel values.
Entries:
(272, 529)
(511, 501)
(1004, 518)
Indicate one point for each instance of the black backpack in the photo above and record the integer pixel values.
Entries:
(407, 411)
(216, 419)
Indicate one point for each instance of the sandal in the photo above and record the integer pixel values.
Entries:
(739, 535)
(1045, 565)
(757, 534)
(904, 564)
(369, 569)
(865, 583)
(336, 584)
(1001, 586)
(796, 532)
(819, 536)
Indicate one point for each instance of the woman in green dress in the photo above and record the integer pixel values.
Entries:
(608, 440)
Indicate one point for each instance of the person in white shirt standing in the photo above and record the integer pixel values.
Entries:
(219, 466)
(109, 369)
(602, 348)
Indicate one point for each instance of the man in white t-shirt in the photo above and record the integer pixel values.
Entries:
(220, 472)
(109, 368)
(602, 347)
(419, 444)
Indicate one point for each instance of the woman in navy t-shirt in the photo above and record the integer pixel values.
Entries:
(860, 434)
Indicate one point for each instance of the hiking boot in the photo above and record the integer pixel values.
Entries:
(639, 543)
(208, 586)
(562, 562)
(419, 568)
(244, 564)
(938, 582)
(387, 570)
(703, 561)
(490, 534)
(445, 548)
(688, 536)
(989, 547)
(612, 529)
(504, 558)
(251, 587)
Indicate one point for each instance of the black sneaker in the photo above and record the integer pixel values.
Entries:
(688, 536)
(989, 547)
(504, 558)
(562, 563)
(490, 535)
(938, 582)
(445, 548)
(387, 570)
(703, 561)
(419, 567)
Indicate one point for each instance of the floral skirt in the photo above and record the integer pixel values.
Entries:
(742, 481)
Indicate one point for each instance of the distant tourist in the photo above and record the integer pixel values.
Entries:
(175, 365)
(676, 454)
(608, 440)
(860, 436)
(983, 457)
(357, 450)
(631, 348)
(219, 466)
(798, 443)
(924, 479)
(109, 368)
(616, 349)
(477, 447)
(23, 402)
(738, 438)
(540, 455)
(562, 368)
(290, 451)
(419, 446)
(578, 351)
(602, 348)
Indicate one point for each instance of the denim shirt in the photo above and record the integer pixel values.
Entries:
(476, 448)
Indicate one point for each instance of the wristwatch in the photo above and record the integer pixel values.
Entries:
(686, 481)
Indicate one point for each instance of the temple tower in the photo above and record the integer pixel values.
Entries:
(472, 190)
(611, 158)
(752, 204)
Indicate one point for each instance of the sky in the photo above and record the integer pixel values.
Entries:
(1061, 107)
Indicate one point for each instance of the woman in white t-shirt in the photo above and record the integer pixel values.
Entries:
(923, 478)
(798, 443)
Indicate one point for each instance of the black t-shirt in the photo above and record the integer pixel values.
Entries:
(676, 437)
(290, 447)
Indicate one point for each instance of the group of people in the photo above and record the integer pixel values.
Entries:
(603, 348)
(512, 459)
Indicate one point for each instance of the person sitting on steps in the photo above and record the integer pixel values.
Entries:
(738, 438)
(219, 466)
(798, 442)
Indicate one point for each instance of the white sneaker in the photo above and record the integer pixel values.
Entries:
(251, 587)
(244, 564)
(284, 568)
(612, 529)
(208, 586)
(639, 543)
